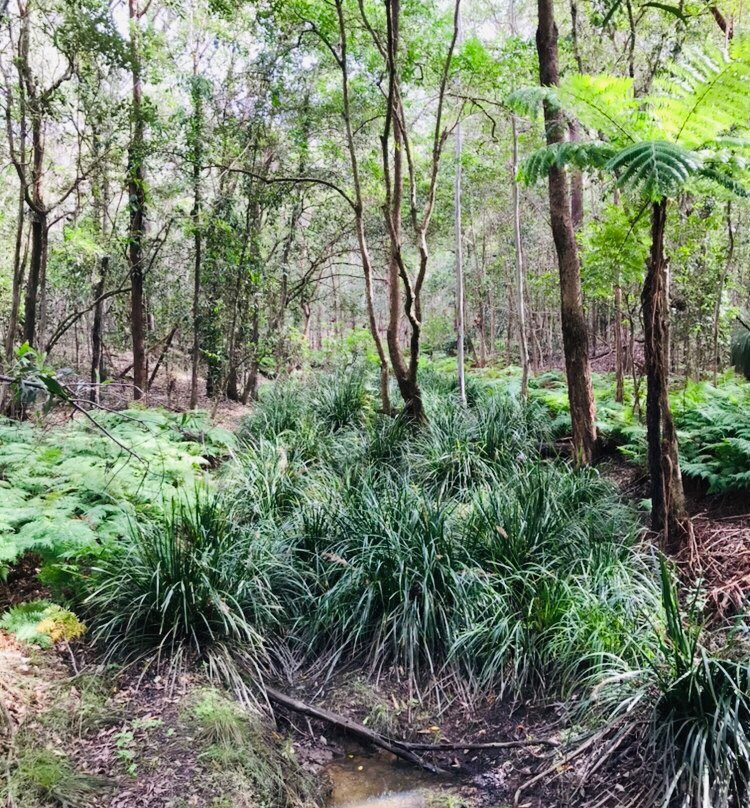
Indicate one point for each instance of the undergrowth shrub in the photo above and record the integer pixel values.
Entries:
(343, 399)
(66, 493)
(395, 586)
(687, 712)
(191, 587)
(567, 590)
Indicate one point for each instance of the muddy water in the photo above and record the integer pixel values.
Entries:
(377, 781)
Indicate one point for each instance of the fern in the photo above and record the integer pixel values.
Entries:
(529, 101)
(705, 96)
(580, 155)
(654, 168)
(605, 104)
(68, 492)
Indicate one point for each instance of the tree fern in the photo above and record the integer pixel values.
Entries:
(528, 101)
(654, 168)
(605, 104)
(580, 155)
(706, 94)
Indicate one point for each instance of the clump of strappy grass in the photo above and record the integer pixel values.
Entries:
(686, 711)
(192, 587)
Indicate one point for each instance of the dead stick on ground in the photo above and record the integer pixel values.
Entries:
(352, 727)
(403, 749)
(471, 747)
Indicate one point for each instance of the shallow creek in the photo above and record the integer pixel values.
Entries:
(377, 781)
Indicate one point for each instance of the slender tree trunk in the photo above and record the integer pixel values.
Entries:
(460, 358)
(31, 298)
(668, 512)
(520, 273)
(196, 137)
(162, 355)
(575, 335)
(18, 273)
(619, 360)
(720, 292)
(137, 210)
(97, 354)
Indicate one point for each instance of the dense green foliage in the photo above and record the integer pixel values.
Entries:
(712, 423)
(67, 492)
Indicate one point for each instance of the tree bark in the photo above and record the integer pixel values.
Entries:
(97, 355)
(137, 210)
(196, 147)
(460, 328)
(520, 272)
(619, 360)
(18, 273)
(668, 512)
(575, 335)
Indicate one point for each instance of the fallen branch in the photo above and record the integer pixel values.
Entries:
(473, 747)
(352, 728)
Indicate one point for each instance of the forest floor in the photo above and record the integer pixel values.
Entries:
(141, 741)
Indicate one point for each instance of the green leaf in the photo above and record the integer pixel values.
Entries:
(654, 168)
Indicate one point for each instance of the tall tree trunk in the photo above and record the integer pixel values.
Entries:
(668, 512)
(575, 336)
(38, 228)
(460, 328)
(36, 261)
(720, 292)
(196, 146)
(17, 284)
(137, 209)
(619, 359)
(97, 354)
(520, 272)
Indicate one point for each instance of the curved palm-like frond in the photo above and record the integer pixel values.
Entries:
(591, 155)
(654, 168)
(726, 175)
(605, 104)
(528, 101)
(706, 95)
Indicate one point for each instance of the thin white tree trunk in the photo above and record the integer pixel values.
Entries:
(520, 274)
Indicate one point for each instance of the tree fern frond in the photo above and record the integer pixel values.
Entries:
(605, 104)
(654, 168)
(528, 101)
(590, 155)
(706, 94)
(723, 175)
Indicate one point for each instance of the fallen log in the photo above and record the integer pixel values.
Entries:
(406, 750)
(351, 727)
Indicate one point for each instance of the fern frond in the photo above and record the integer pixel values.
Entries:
(722, 175)
(706, 95)
(592, 155)
(605, 104)
(528, 101)
(654, 168)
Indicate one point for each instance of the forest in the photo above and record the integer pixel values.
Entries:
(374, 404)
